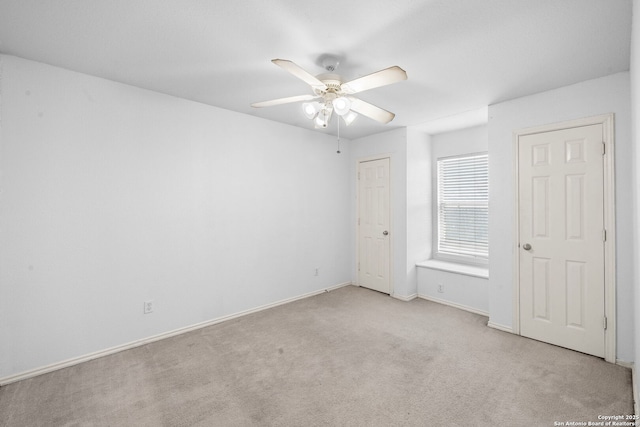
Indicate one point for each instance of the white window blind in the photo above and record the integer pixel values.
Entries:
(463, 207)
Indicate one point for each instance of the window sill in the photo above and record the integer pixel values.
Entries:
(468, 270)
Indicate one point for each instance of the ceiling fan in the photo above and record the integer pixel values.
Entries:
(332, 94)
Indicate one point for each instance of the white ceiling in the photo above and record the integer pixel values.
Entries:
(460, 55)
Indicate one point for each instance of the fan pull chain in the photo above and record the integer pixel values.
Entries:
(338, 120)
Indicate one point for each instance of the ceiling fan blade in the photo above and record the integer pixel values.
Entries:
(300, 73)
(379, 78)
(280, 101)
(371, 111)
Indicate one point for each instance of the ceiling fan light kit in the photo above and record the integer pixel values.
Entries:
(349, 117)
(323, 118)
(310, 109)
(341, 105)
(331, 94)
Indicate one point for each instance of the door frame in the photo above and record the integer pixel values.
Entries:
(607, 122)
(391, 233)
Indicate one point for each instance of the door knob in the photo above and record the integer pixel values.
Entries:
(526, 247)
(385, 232)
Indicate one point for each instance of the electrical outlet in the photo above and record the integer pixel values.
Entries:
(440, 288)
(148, 307)
(317, 273)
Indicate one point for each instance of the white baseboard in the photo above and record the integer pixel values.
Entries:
(628, 365)
(632, 366)
(329, 289)
(635, 389)
(91, 356)
(403, 298)
(455, 305)
(500, 327)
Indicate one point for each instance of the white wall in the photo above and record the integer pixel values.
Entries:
(589, 98)
(635, 128)
(410, 200)
(419, 205)
(462, 290)
(464, 141)
(112, 195)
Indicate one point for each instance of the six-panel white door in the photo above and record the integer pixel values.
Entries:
(561, 238)
(373, 225)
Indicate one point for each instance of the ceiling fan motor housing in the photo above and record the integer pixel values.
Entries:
(331, 81)
(333, 89)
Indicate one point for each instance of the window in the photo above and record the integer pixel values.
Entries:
(463, 208)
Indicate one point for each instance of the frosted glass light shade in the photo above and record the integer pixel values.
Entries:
(322, 119)
(341, 105)
(349, 117)
(310, 109)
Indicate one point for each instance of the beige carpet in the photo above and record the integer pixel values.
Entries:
(351, 357)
